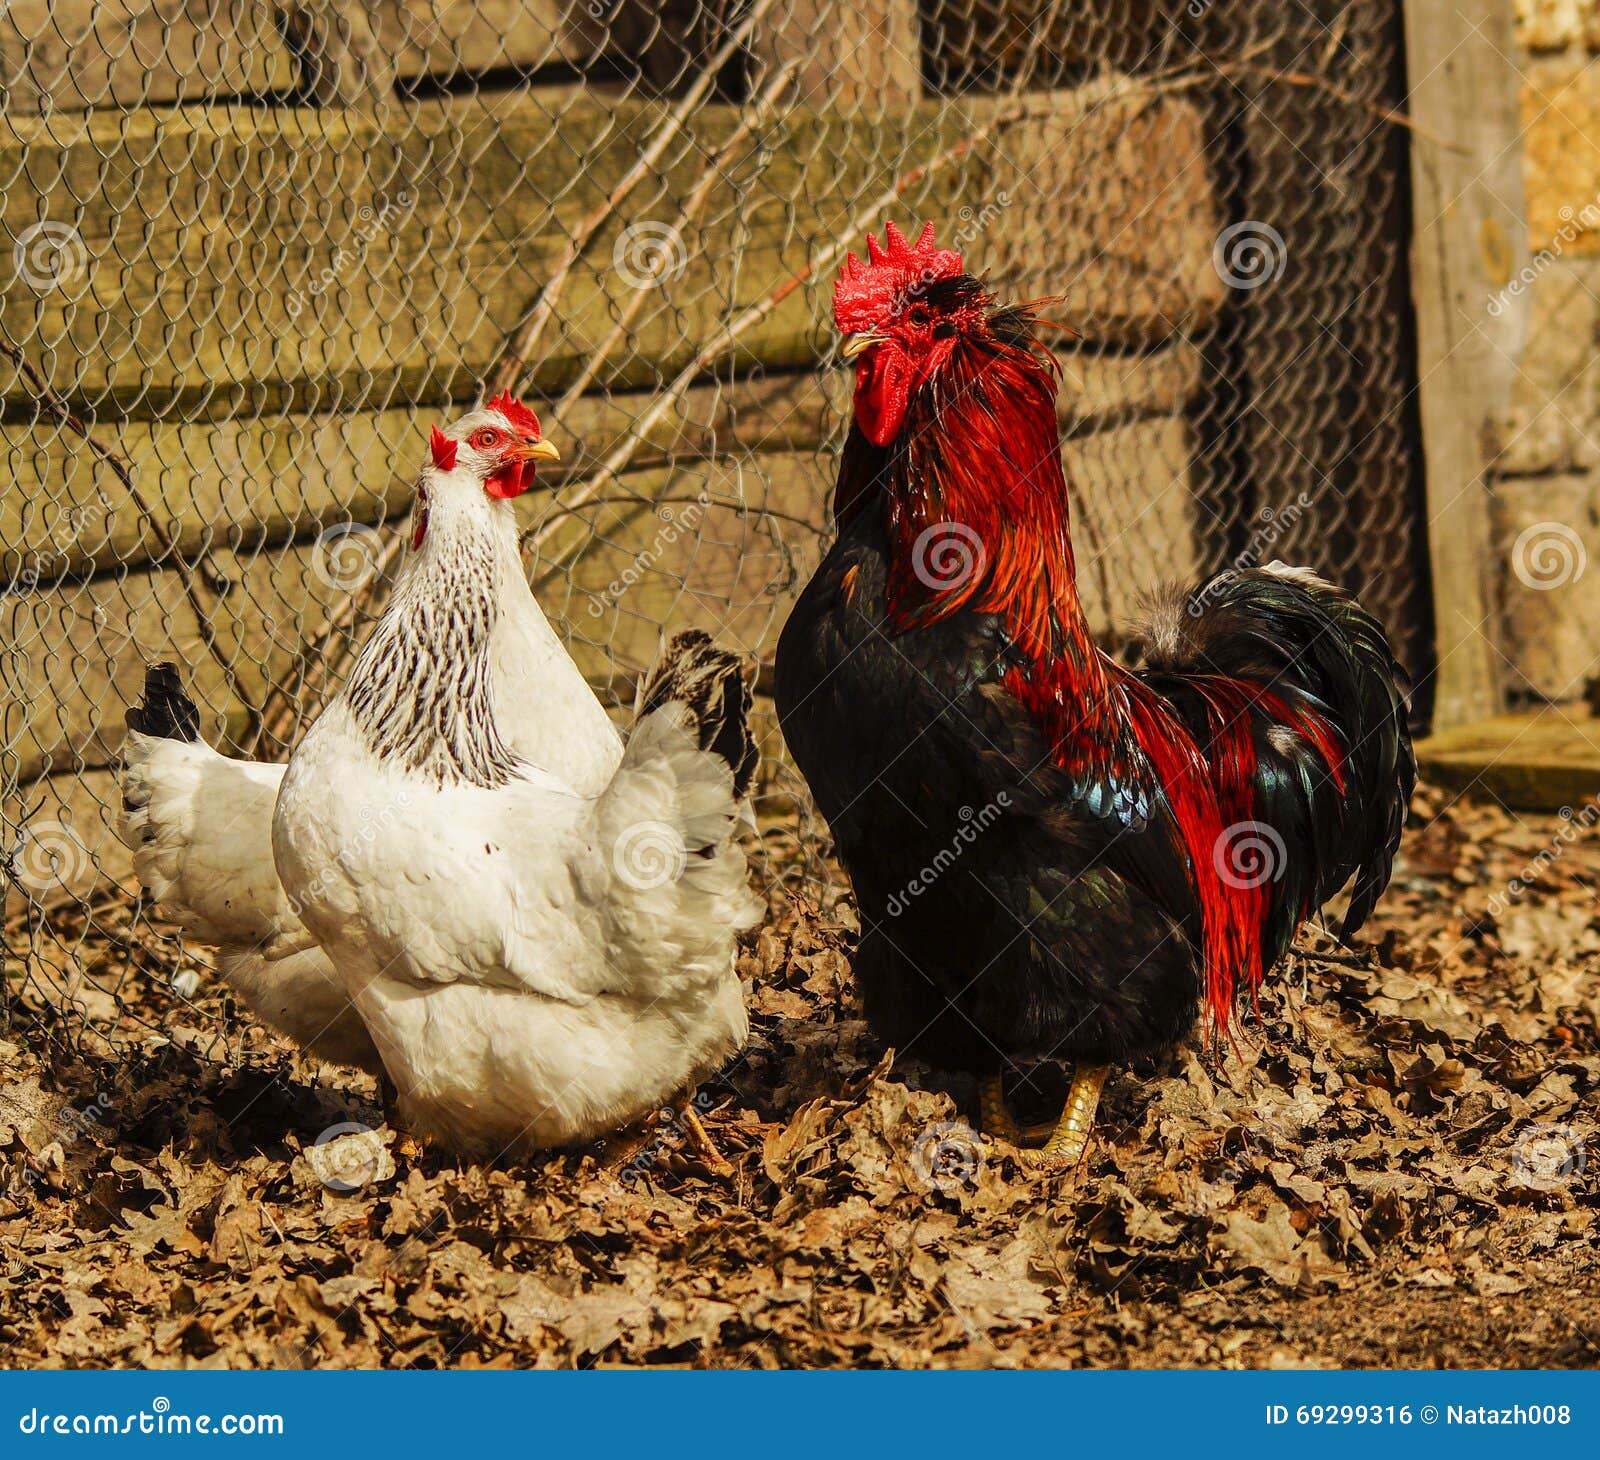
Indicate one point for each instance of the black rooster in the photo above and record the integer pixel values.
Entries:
(1055, 856)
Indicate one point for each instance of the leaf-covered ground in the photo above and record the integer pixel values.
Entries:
(1398, 1166)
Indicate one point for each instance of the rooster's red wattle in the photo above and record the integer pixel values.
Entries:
(1056, 856)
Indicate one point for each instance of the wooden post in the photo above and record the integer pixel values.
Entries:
(1470, 241)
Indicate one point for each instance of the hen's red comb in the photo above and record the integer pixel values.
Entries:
(521, 418)
(864, 293)
(443, 449)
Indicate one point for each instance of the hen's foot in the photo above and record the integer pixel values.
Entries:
(700, 1139)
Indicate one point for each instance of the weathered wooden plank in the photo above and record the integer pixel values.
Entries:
(237, 483)
(735, 564)
(1540, 761)
(866, 54)
(1133, 526)
(67, 55)
(283, 260)
(443, 38)
(75, 654)
(1469, 242)
(281, 476)
(722, 544)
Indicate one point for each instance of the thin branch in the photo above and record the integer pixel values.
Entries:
(508, 375)
(759, 111)
(1340, 93)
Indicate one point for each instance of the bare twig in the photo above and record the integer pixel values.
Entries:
(508, 375)
(1340, 93)
(758, 112)
(1361, 958)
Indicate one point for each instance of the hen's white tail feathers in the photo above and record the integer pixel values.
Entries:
(200, 829)
(709, 684)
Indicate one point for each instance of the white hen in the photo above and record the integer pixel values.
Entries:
(536, 962)
(200, 824)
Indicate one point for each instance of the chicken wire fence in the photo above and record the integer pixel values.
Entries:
(255, 251)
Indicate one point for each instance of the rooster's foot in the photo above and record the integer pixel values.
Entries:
(1070, 1138)
(1057, 1146)
(994, 1115)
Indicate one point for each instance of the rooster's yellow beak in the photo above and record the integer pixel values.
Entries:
(858, 344)
(539, 451)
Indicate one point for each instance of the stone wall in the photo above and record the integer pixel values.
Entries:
(1547, 481)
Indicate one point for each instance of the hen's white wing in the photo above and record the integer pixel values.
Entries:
(531, 887)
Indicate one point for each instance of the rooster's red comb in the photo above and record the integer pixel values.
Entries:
(864, 293)
(522, 420)
(443, 449)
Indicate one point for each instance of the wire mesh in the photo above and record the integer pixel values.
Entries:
(253, 252)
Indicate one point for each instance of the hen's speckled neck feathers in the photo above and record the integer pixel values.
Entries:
(422, 691)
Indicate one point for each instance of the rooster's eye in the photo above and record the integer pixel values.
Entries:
(919, 314)
(486, 439)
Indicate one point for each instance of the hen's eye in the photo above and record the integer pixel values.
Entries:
(486, 439)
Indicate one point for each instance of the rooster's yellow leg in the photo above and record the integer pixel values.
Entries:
(993, 1112)
(1071, 1137)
